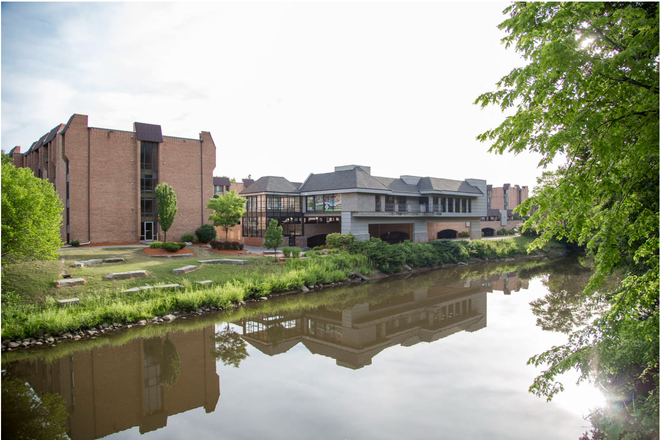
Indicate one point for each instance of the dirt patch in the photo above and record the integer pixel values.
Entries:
(185, 250)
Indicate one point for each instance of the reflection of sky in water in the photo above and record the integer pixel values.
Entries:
(467, 386)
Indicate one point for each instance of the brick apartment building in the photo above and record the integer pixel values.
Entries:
(501, 202)
(106, 179)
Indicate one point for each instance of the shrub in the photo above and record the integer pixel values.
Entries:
(464, 234)
(236, 246)
(295, 252)
(171, 247)
(156, 245)
(188, 237)
(75, 243)
(501, 232)
(286, 251)
(206, 233)
(318, 248)
(337, 240)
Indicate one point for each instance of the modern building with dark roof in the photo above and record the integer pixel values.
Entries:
(351, 199)
(106, 179)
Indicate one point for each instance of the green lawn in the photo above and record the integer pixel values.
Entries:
(34, 281)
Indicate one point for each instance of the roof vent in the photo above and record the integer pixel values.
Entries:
(352, 167)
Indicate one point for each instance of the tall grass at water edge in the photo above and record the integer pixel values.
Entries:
(21, 320)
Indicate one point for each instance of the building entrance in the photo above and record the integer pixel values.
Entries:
(148, 231)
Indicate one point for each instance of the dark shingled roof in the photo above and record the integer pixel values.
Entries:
(447, 185)
(222, 181)
(52, 134)
(356, 178)
(66, 127)
(506, 186)
(248, 182)
(398, 185)
(148, 132)
(270, 184)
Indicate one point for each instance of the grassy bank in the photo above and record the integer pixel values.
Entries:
(34, 310)
(30, 309)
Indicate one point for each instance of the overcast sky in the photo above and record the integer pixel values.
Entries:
(286, 89)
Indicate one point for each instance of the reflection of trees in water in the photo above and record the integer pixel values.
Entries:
(229, 347)
(565, 307)
(28, 416)
(170, 364)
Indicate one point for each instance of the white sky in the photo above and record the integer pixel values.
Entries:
(286, 89)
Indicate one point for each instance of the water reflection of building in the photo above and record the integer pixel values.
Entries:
(354, 336)
(111, 389)
(507, 283)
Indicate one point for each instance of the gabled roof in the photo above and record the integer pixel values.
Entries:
(270, 184)
(148, 132)
(221, 181)
(356, 178)
(427, 184)
(398, 185)
(248, 182)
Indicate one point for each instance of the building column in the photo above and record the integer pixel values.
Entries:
(382, 203)
(475, 229)
(430, 204)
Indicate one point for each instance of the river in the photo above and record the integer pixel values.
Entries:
(441, 354)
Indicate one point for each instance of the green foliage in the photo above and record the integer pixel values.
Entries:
(28, 416)
(188, 237)
(156, 244)
(167, 206)
(385, 257)
(172, 247)
(206, 233)
(337, 240)
(464, 234)
(589, 93)
(273, 236)
(31, 216)
(75, 243)
(227, 211)
(226, 245)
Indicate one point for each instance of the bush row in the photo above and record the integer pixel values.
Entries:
(226, 245)
(291, 251)
(391, 258)
(168, 245)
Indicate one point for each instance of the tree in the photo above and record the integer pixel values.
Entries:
(31, 216)
(167, 206)
(589, 92)
(227, 211)
(273, 237)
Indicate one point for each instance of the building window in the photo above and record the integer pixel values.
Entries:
(324, 203)
(148, 183)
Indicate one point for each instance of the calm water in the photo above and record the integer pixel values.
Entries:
(437, 355)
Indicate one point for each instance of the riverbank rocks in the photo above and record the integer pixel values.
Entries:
(223, 261)
(184, 270)
(69, 282)
(126, 275)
